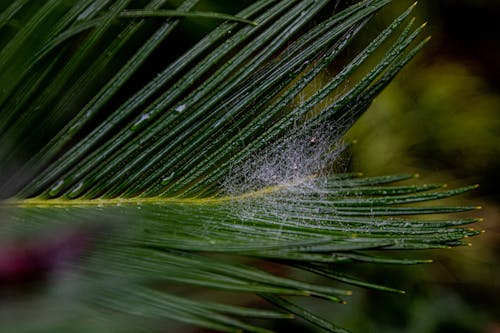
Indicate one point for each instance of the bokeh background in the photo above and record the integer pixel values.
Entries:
(440, 118)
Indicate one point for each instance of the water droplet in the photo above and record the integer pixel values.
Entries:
(180, 108)
(76, 191)
(218, 123)
(54, 190)
(165, 180)
(140, 121)
(75, 127)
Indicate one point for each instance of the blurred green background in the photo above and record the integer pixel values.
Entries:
(440, 118)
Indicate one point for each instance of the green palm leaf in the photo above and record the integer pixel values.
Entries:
(133, 167)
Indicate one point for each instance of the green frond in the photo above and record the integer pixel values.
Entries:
(175, 13)
(133, 169)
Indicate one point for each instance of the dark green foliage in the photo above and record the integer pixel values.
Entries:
(129, 179)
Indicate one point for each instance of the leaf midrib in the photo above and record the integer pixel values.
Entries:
(120, 201)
